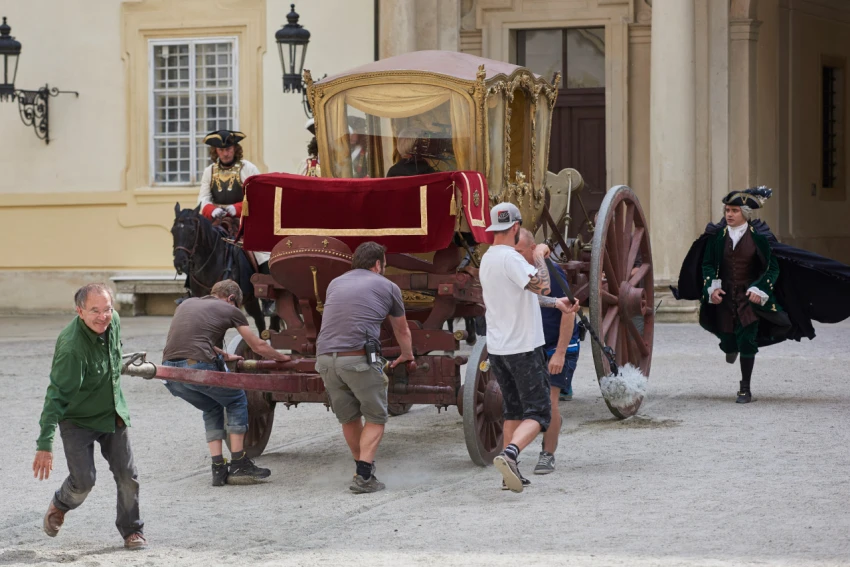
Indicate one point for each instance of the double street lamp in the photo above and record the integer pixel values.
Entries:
(32, 105)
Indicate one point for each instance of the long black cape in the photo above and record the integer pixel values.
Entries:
(810, 287)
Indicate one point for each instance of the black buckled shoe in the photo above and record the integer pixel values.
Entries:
(244, 471)
(219, 473)
(731, 357)
(744, 397)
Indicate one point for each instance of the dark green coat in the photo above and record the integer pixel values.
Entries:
(773, 321)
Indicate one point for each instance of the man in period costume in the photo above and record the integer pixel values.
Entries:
(221, 185)
(755, 291)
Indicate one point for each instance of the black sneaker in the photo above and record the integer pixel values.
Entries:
(244, 471)
(510, 473)
(545, 463)
(525, 482)
(219, 473)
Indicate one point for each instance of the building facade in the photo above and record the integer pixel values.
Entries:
(683, 100)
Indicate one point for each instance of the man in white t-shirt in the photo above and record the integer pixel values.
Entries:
(514, 290)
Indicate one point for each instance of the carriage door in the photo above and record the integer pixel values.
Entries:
(578, 122)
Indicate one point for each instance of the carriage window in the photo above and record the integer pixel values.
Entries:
(193, 90)
(398, 130)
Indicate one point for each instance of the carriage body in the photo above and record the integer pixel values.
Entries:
(485, 135)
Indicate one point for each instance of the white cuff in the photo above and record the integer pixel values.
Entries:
(760, 293)
(715, 284)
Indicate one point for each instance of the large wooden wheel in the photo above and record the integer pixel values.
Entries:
(260, 407)
(482, 407)
(621, 287)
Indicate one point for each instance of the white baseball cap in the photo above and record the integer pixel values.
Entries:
(503, 216)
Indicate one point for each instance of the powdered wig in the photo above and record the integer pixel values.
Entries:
(747, 212)
(407, 139)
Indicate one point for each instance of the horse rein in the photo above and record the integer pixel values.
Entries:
(191, 254)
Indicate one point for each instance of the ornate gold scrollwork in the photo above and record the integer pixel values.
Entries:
(311, 92)
(414, 297)
(320, 305)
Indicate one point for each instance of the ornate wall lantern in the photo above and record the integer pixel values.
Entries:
(292, 40)
(32, 105)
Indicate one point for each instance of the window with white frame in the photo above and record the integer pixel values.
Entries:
(194, 86)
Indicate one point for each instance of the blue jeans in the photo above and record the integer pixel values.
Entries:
(212, 401)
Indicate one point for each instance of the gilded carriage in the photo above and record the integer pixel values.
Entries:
(481, 133)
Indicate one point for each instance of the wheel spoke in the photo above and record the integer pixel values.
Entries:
(634, 249)
(608, 298)
(612, 246)
(613, 331)
(633, 331)
(627, 237)
(613, 280)
(640, 274)
(610, 316)
(621, 348)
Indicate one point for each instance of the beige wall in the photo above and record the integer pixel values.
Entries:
(81, 208)
(819, 221)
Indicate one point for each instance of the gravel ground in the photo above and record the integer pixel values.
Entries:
(694, 480)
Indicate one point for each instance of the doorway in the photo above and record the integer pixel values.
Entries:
(578, 120)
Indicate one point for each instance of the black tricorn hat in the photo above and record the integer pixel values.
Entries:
(223, 138)
(753, 197)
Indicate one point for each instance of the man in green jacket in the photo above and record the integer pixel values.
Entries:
(84, 398)
(739, 273)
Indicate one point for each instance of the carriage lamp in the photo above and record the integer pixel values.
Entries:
(32, 105)
(292, 40)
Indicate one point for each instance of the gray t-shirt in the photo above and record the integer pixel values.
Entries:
(357, 303)
(199, 324)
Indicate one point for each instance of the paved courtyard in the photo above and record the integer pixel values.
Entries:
(694, 480)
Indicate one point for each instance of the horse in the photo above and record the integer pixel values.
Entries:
(200, 252)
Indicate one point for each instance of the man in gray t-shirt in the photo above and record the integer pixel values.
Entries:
(356, 304)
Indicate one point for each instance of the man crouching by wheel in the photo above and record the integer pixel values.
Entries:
(514, 291)
(195, 339)
(348, 355)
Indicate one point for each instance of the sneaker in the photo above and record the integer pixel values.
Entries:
(545, 464)
(731, 357)
(744, 397)
(362, 486)
(135, 541)
(53, 520)
(510, 473)
(565, 396)
(219, 473)
(525, 482)
(244, 471)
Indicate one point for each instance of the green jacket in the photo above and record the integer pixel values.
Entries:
(85, 381)
(768, 268)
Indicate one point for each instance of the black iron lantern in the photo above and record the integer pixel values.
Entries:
(292, 40)
(10, 50)
(32, 105)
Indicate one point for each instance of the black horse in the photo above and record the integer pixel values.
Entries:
(201, 253)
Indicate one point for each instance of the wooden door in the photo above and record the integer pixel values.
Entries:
(578, 141)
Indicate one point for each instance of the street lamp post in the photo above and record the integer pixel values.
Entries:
(32, 105)
(292, 40)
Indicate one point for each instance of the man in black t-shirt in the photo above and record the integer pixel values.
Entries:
(195, 340)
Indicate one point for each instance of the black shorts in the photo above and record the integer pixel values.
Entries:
(524, 380)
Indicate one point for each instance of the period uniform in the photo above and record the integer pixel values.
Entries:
(310, 167)
(222, 184)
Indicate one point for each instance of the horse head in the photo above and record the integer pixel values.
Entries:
(185, 233)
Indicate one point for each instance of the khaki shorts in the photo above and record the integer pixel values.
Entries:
(355, 388)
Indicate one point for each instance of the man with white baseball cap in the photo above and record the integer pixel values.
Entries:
(514, 290)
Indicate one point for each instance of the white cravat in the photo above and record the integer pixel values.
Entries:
(736, 233)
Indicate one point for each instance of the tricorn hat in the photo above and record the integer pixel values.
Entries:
(753, 197)
(223, 138)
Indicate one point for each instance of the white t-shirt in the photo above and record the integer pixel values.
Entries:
(514, 324)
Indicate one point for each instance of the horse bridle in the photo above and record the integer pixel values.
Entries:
(196, 221)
